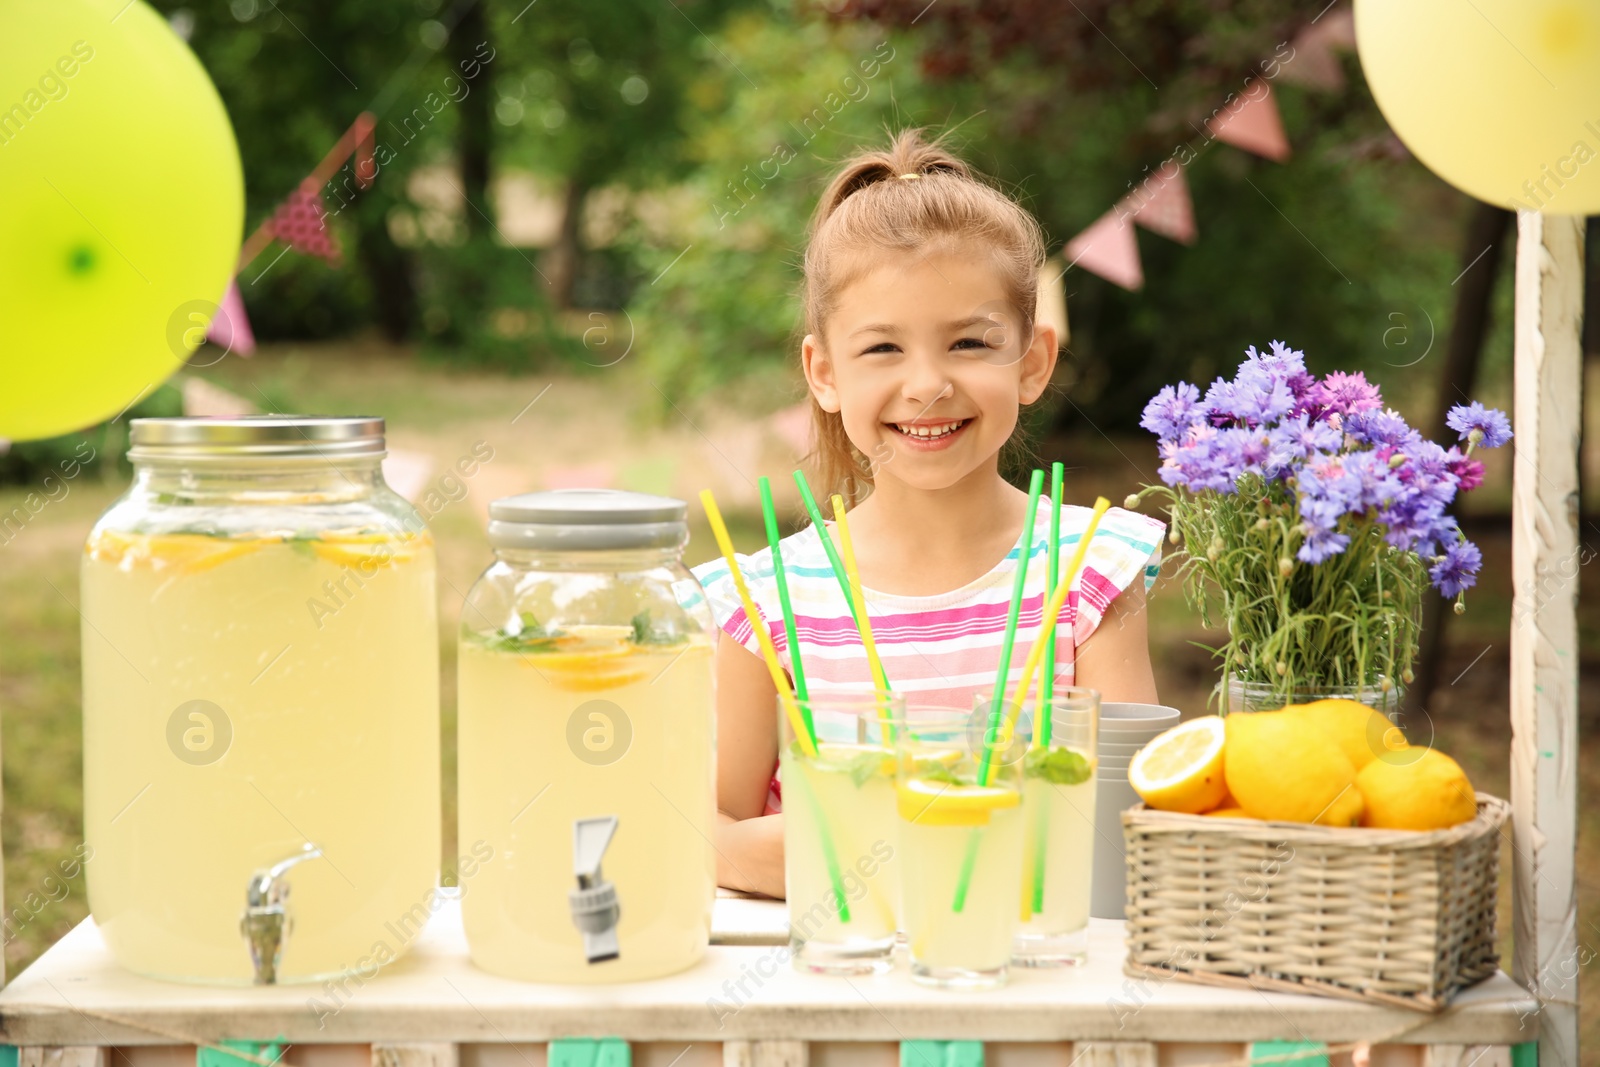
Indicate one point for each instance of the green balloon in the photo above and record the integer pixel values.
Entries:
(121, 207)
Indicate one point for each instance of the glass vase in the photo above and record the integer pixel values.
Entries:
(1238, 694)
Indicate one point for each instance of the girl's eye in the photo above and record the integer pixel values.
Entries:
(977, 342)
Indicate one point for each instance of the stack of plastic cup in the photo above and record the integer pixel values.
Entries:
(1124, 730)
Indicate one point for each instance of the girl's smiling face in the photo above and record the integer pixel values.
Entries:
(926, 364)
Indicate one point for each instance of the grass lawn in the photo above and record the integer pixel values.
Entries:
(613, 423)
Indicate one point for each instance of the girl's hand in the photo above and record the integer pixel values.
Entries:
(1116, 658)
(750, 854)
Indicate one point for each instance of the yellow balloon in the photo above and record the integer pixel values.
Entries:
(1500, 98)
(121, 206)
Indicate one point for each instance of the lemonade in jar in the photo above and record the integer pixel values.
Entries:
(260, 704)
(585, 742)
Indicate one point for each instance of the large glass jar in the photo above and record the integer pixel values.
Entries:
(585, 743)
(260, 704)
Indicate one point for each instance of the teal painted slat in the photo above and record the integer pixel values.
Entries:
(1290, 1053)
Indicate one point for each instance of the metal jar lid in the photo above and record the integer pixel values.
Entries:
(584, 520)
(256, 436)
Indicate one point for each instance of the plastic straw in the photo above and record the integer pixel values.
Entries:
(839, 571)
(1003, 675)
(1041, 834)
(802, 728)
(797, 721)
(770, 515)
(863, 621)
(1043, 729)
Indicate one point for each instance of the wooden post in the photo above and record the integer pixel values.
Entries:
(1544, 629)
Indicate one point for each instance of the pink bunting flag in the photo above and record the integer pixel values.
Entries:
(301, 223)
(1250, 121)
(1312, 60)
(1108, 248)
(230, 329)
(1161, 204)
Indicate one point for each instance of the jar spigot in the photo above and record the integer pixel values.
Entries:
(595, 909)
(266, 923)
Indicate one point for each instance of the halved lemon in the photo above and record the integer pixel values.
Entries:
(932, 803)
(1181, 770)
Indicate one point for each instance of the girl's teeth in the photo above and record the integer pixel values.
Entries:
(929, 431)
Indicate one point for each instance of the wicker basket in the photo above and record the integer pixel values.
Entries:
(1398, 917)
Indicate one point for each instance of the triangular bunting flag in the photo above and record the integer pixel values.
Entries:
(1162, 205)
(1108, 248)
(301, 223)
(1312, 61)
(1251, 122)
(230, 329)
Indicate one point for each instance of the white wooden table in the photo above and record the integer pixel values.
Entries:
(743, 1005)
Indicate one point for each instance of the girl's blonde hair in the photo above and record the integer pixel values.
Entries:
(898, 199)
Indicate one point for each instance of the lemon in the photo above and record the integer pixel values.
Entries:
(1280, 766)
(1181, 769)
(931, 803)
(1416, 789)
(1228, 813)
(1361, 733)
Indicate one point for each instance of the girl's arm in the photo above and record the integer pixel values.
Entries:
(749, 845)
(1116, 657)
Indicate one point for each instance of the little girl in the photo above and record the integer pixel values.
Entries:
(920, 289)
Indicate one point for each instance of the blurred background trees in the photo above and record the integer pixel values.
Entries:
(663, 157)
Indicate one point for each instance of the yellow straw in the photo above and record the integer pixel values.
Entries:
(1047, 628)
(847, 550)
(769, 652)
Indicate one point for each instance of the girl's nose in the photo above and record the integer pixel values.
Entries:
(925, 384)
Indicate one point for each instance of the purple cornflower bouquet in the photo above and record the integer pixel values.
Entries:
(1310, 515)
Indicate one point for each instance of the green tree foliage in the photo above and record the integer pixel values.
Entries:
(780, 104)
(1324, 250)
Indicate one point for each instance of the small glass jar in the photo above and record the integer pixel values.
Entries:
(260, 704)
(585, 741)
(1240, 695)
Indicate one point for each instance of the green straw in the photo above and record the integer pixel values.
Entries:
(770, 514)
(1041, 831)
(1042, 730)
(1002, 679)
(827, 544)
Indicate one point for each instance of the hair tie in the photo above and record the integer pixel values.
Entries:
(910, 176)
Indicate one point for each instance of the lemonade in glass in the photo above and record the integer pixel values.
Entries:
(960, 850)
(840, 829)
(1058, 795)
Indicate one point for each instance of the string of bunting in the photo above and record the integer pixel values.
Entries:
(1249, 121)
(300, 222)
